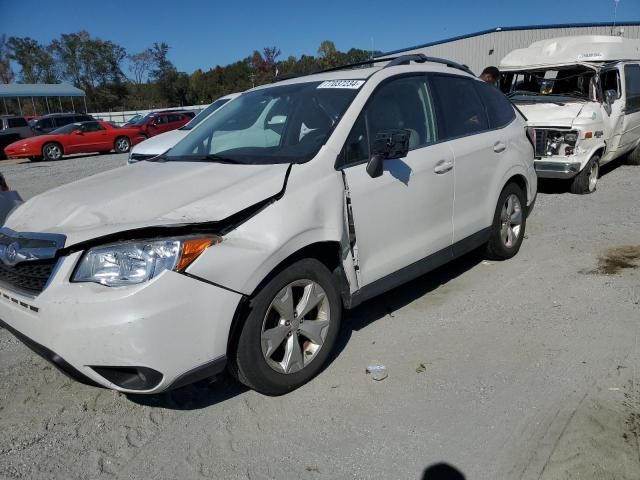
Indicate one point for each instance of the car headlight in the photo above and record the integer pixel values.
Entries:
(134, 262)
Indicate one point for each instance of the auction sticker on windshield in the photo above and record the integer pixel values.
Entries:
(353, 84)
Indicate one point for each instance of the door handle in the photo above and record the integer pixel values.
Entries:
(499, 147)
(443, 166)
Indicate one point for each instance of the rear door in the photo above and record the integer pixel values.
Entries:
(406, 214)
(479, 145)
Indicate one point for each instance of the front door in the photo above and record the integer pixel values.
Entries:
(406, 214)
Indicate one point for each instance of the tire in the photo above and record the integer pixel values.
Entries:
(52, 151)
(587, 180)
(269, 363)
(633, 158)
(122, 145)
(509, 223)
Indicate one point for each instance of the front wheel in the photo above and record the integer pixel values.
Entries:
(509, 222)
(122, 145)
(586, 181)
(289, 330)
(51, 151)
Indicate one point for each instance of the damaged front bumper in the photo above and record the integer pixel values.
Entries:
(561, 169)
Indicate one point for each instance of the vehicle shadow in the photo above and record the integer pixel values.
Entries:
(387, 303)
(210, 392)
(196, 396)
(442, 471)
(558, 186)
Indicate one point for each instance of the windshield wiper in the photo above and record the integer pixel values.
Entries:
(523, 92)
(212, 157)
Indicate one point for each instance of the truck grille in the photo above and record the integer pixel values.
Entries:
(541, 142)
(30, 277)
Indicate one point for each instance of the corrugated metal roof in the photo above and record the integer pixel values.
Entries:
(40, 90)
(511, 29)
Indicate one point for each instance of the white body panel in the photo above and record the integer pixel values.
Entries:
(160, 143)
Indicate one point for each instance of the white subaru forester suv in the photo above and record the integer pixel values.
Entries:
(241, 246)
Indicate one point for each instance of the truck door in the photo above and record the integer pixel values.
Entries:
(630, 136)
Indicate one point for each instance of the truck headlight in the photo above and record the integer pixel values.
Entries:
(571, 138)
(134, 262)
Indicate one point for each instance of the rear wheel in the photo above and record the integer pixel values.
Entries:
(290, 329)
(52, 151)
(122, 145)
(634, 156)
(509, 222)
(586, 181)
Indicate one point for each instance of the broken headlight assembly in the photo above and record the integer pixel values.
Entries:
(134, 262)
(556, 142)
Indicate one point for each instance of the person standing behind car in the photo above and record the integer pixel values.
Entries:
(490, 75)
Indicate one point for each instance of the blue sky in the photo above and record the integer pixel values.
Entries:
(203, 34)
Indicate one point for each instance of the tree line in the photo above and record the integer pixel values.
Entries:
(114, 79)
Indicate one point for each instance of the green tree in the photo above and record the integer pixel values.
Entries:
(6, 73)
(36, 62)
(328, 54)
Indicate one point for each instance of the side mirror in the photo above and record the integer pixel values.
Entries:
(387, 145)
(610, 96)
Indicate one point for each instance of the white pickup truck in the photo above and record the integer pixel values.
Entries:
(581, 96)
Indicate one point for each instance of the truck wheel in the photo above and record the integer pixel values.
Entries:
(586, 181)
(289, 330)
(634, 156)
(509, 222)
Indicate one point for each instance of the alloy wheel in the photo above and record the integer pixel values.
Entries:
(53, 152)
(511, 217)
(122, 145)
(295, 326)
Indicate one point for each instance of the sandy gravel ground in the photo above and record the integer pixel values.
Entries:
(524, 369)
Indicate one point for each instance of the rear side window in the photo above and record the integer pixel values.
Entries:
(499, 108)
(17, 122)
(460, 110)
(632, 87)
(175, 118)
(62, 121)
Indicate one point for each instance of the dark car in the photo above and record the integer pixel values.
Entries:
(12, 129)
(47, 123)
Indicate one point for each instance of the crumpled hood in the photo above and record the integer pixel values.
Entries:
(550, 114)
(147, 194)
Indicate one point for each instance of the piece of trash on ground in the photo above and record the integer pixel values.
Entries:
(377, 371)
(421, 368)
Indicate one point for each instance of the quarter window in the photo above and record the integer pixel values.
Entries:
(499, 108)
(402, 103)
(632, 87)
(459, 106)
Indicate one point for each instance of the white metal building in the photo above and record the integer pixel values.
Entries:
(481, 49)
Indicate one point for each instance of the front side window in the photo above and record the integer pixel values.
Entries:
(402, 103)
(45, 123)
(499, 108)
(174, 118)
(92, 127)
(610, 80)
(632, 87)
(459, 107)
(62, 121)
(278, 124)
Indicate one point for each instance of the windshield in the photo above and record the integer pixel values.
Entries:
(280, 124)
(66, 129)
(557, 85)
(205, 113)
(140, 120)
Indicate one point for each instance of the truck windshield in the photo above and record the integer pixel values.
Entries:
(279, 124)
(549, 85)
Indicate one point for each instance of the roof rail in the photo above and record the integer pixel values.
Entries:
(402, 60)
(421, 58)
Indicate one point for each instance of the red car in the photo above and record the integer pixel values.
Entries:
(156, 123)
(81, 137)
